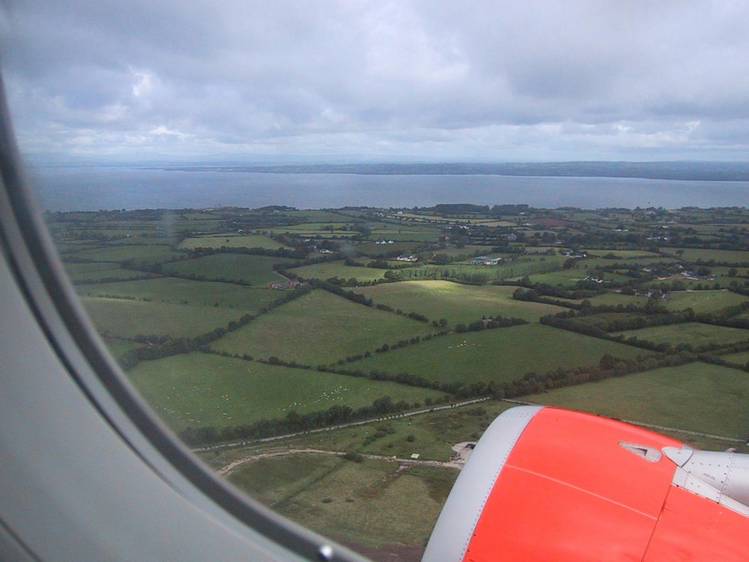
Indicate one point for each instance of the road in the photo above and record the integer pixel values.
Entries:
(229, 468)
(246, 442)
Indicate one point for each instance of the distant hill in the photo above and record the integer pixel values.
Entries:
(704, 171)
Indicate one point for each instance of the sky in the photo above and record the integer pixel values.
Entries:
(359, 80)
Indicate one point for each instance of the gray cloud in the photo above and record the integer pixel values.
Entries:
(392, 80)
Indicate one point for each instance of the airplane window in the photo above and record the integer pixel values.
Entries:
(330, 244)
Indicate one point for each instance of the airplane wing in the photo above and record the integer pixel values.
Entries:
(552, 485)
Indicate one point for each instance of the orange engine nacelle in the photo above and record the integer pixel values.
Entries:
(551, 485)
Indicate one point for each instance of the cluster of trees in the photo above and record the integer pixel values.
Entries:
(294, 422)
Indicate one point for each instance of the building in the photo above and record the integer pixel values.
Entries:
(485, 260)
(407, 258)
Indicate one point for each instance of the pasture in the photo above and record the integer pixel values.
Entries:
(706, 255)
(692, 333)
(185, 291)
(375, 506)
(615, 299)
(216, 241)
(696, 397)
(203, 390)
(330, 269)
(125, 318)
(455, 302)
(137, 253)
(319, 328)
(254, 270)
(93, 272)
(703, 301)
(500, 355)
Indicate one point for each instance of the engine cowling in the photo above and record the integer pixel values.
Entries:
(545, 484)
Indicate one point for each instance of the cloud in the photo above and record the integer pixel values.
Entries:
(392, 80)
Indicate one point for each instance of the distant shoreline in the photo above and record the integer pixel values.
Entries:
(679, 171)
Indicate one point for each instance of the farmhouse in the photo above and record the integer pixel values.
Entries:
(485, 260)
(410, 258)
(286, 285)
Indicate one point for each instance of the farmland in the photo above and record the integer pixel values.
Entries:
(319, 328)
(455, 302)
(691, 333)
(697, 396)
(185, 291)
(703, 301)
(500, 355)
(251, 270)
(205, 390)
(216, 241)
(242, 324)
(328, 270)
(125, 318)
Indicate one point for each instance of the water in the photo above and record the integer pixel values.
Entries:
(94, 188)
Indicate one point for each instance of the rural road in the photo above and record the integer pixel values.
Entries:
(229, 468)
(243, 443)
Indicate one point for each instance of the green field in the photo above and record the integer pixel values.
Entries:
(319, 328)
(255, 270)
(185, 291)
(703, 301)
(499, 355)
(738, 358)
(725, 256)
(203, 390)
(615, 299)
(486, 273)
(455, 302)
(92, 272)
(623, 254)
(138, 253)
(124, 318)
(216, 241)
(692, 333)
(373, 249)
(375, 504)
(329, 269)
(119, 348)
(695, 397)
(404, 234)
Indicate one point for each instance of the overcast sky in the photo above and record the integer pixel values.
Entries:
(394, 81)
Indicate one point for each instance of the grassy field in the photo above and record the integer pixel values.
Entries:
(500, 355)
(455, 302)
(694, 254)
(570, 277)
(373, 249)
(703, 301)
(739, 358)
(326, 270)
(202, 390)
(319, 328)
(92, 272)
(696, 397)
(139, 253)
(374, 504)
(404, 233)
(123, 318)
(216, 241)
(118, 348)
(692, 333)
(484, 273)
(185, 291)
(614, 299)
(256, 270)
(624, 254)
